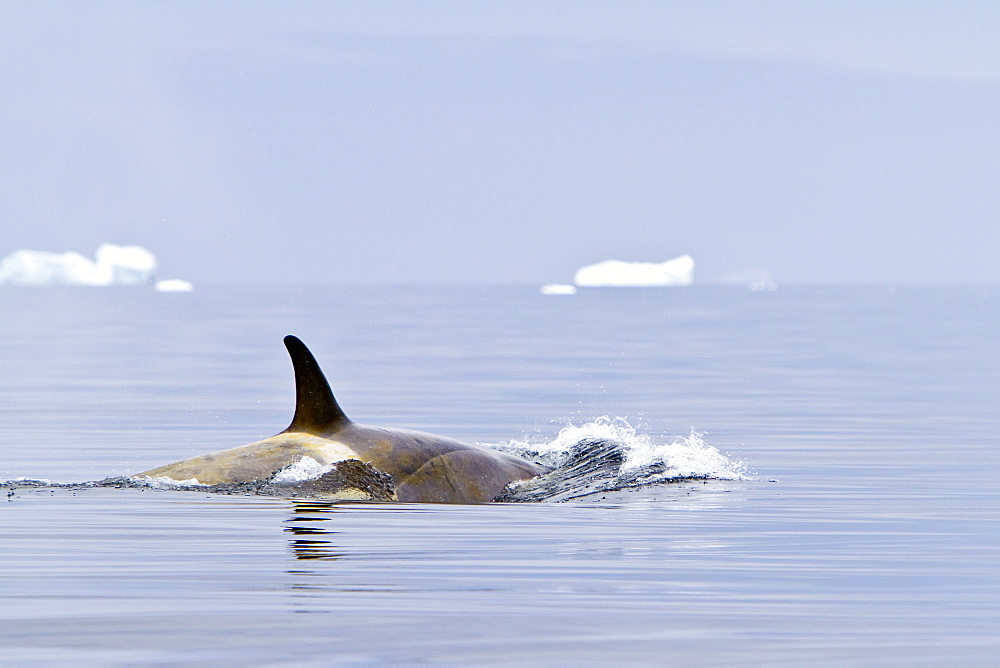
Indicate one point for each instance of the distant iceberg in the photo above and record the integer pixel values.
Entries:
(113, 265)
(678, 271)
(558, 289)
(174, 285)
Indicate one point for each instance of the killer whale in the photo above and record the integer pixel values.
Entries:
(423, 467)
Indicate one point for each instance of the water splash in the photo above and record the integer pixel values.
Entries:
(608, 454)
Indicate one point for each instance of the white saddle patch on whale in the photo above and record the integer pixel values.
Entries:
(327, 454)
(306, 468)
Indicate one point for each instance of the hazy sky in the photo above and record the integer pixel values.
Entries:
(506, 141)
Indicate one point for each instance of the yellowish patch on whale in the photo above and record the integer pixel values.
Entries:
(257, 461)
(331, 451)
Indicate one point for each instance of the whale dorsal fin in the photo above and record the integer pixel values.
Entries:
(316, 411)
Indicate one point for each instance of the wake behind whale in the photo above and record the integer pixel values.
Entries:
(609, 455)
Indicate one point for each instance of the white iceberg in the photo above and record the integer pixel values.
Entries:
(174, 285)
(615, 273)
(558, 289)
(113, 265)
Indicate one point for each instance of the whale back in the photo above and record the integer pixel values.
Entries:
(316, 409)
(422, 467)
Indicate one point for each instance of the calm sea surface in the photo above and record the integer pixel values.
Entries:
(866, 533)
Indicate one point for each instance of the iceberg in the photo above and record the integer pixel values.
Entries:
(174, 285)
(558, 289)
(616, 273)
(113, 265)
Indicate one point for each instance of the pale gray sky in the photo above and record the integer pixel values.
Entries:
(506, 141)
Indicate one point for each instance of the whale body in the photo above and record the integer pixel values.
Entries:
(423, 467)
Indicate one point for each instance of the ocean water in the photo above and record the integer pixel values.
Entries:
(859, 521)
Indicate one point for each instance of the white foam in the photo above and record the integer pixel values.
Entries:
(558, 289)
(306, 468)
(112, 265)
(682, 457)
(616, 273)
(163, 482)
(45, 482)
